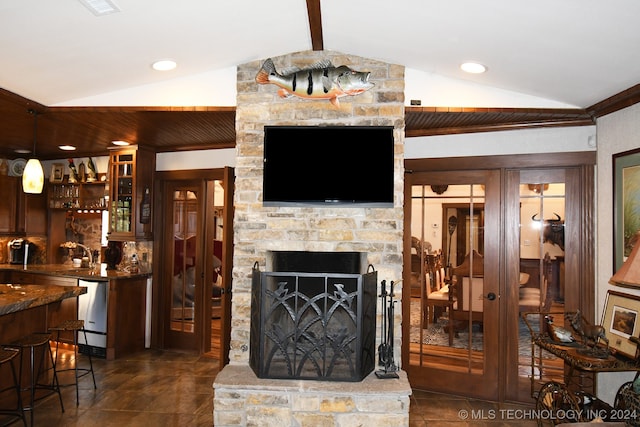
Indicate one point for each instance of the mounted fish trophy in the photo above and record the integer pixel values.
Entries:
(320, 81)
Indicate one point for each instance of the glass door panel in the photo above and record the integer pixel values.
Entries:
(453, 303)
(542, 267)
(218, 284)
(447, 297)
(122, 195)
(185, 220)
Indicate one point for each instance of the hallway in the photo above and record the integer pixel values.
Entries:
(165, 388)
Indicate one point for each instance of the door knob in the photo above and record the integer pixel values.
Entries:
(491, 296)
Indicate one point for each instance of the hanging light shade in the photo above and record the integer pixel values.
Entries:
(33, 174)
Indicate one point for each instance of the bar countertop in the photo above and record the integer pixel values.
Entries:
(65, 270)
(15, 298)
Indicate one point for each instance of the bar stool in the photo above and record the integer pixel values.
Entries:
(75, 326)
(6, 358)
(40, 341)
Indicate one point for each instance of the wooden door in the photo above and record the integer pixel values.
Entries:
(452, 338)
(183, 264)
(219, 237)
(532, 190)
(194, 241)
(543, 206)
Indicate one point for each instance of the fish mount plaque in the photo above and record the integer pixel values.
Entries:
(320, 81)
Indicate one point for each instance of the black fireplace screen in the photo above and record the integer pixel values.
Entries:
(316, 326)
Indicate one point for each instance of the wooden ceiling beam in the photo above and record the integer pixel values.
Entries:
(315, 24)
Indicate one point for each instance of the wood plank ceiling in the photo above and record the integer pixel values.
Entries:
(166, 129)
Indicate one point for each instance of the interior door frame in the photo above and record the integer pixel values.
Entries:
(581, 235)
(159, 294)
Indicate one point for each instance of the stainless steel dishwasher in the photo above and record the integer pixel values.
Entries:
(92, 308)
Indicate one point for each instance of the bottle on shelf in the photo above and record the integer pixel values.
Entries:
(134, 264)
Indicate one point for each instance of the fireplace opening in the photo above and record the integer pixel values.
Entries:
(313, 317)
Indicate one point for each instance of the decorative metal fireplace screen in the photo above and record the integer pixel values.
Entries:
(313, 326)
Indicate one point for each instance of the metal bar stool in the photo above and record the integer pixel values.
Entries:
(75, 326)
(38, 340)
(6, 358)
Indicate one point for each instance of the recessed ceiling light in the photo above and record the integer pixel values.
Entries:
(100, 7)
(473, 67)
(22, 151)
(67, 147)
(119, 142)
(164, 65)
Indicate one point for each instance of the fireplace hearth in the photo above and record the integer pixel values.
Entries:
(314, 317)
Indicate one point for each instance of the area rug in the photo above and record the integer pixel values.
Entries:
(437, 333)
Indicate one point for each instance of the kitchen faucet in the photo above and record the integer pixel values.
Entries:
(87, 251)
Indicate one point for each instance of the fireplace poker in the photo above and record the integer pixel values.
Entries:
(385, 350)
(382, 348)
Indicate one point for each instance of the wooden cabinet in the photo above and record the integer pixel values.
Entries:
(131, 174)
(126, 321)
(34, 219)
(9, 191)
(21, 213)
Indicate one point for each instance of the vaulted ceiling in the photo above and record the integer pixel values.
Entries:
(575, 53)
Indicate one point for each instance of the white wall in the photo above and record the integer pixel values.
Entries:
(616, 132)
(436, 90)
(197, 159)
(528, 141)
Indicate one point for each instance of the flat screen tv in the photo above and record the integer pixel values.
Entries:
(328, 166)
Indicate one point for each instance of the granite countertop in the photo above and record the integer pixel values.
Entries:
(64, 270)
(15, 298)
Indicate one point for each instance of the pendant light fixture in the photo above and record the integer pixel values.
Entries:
(33, 174)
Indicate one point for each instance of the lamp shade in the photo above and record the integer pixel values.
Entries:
(33, 177)
(629, 273)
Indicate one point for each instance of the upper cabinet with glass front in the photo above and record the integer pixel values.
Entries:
(130, 185)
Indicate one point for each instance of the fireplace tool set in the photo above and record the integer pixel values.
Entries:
(385, 349)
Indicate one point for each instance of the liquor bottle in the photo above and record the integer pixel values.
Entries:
(134, 264)
(145, 207)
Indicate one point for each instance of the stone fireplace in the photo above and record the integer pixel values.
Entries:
(240, 396)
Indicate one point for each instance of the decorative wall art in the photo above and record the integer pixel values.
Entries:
(626, 204)
(320, 81)
(621, 321)
(57, 173)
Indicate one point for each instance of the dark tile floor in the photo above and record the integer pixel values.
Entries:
(151, 388)
(166, 388)
(434, 410)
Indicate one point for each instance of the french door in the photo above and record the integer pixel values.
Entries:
(530, 221)
(185, 249)
(452, 288)
(194, 244)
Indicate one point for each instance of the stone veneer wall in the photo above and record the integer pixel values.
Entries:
(376, 231)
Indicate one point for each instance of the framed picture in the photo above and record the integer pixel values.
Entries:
(626, 204)
(621, 320)
(57, 173)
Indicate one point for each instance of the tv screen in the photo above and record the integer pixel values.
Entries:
(328, 166)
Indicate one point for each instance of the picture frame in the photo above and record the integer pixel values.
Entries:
(57, 173)
(626, 204)
(621, 320)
